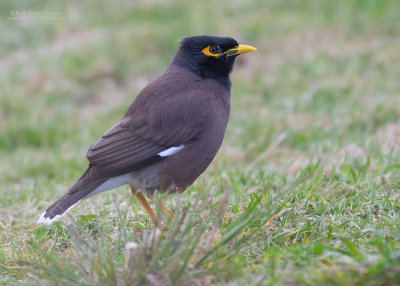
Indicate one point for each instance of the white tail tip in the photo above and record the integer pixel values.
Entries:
(49, 221)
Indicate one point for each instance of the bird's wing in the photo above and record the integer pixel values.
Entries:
(139, 138)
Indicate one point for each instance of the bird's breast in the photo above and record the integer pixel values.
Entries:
(183, 168)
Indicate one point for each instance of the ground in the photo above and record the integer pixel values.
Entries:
(304, 191)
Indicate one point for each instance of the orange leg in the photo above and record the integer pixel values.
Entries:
(164, 209)
(147, 208)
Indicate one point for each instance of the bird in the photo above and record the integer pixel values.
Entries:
(170, 133)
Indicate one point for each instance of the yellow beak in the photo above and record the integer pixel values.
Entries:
(241, 49)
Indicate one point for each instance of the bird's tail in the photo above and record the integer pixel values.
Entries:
(65, 203)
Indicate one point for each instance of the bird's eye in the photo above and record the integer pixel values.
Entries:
(213, 50)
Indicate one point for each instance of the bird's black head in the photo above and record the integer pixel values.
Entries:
(209, 56)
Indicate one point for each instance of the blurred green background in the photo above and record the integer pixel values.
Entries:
(322, 90)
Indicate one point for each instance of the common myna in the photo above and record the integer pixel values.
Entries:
(170, 133)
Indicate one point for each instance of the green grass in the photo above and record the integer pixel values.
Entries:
(311, 152)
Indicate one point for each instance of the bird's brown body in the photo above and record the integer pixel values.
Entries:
(212, 114)
(199, 126)
(168, 136)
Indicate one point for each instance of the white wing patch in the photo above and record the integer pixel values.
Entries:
(171, 151)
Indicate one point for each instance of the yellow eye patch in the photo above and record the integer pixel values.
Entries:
(211, 51)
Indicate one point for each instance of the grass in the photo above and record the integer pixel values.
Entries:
(304, 191)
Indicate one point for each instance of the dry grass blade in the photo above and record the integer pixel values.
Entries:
(274, 217)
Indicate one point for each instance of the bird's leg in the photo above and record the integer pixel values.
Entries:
(162, 207)
(147, 208)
